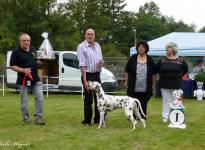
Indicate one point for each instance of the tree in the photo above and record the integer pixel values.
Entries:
(179, 26)
(149, 24)
(149, 9)
(202, 29)
(105, 16)
(152, 24)
(67, 21)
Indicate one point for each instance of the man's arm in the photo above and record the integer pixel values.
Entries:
(85, 82)
(82, 64)
(20, 70)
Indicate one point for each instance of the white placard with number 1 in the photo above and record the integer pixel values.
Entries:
(177, 119)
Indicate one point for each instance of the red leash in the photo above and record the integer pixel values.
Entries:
(180, 99)
(27, 76)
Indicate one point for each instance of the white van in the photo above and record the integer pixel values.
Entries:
(62, 74)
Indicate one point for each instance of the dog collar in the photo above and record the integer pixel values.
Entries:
(180, 99)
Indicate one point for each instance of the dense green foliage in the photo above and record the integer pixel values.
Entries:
(66, 23)
(200, 77)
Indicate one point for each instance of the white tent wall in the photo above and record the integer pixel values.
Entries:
(189, 44)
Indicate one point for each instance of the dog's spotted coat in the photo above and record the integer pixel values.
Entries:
(107, 103)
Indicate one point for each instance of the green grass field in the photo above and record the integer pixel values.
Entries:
(63, 114)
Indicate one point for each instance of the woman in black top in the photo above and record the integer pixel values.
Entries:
(139, 75)
(171, 69)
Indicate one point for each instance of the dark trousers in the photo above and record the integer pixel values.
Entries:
(88, 100)
(143, 97)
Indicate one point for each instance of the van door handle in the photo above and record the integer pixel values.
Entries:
(62, 70)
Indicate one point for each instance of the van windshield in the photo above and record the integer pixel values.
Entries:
(70, 60)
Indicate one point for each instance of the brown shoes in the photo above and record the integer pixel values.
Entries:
(39, 121)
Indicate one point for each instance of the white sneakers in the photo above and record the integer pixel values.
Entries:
(164, 120)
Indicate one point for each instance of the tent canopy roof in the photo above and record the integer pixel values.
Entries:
(189, 44)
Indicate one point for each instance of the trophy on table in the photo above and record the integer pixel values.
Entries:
(45, 51)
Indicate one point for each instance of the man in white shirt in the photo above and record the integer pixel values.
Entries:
(90, 61)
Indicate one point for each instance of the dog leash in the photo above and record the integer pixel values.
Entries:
(27, 76)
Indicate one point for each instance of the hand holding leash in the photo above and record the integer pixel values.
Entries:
(27, 76)
(27, 70)
(86, 86)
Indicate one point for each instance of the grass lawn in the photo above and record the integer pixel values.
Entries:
(63, 114)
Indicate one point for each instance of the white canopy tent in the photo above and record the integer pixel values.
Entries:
(189, 44)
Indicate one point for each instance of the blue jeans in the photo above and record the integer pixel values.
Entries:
(38, 94)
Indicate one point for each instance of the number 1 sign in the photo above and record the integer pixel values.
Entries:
(176, 115)
(177, 119)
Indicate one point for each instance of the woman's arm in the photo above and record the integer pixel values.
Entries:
(126, 80)
(185, 67)
(153, 83)
(157, 66)
(127, 71)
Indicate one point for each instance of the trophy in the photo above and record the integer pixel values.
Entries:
(45, 51)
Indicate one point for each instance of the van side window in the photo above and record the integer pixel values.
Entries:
(70, 60)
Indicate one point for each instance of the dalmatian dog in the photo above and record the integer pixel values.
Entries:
(177, 102)
(106, 103)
